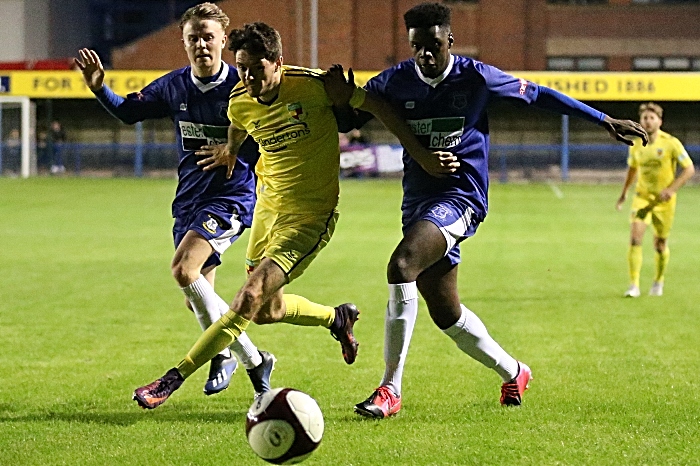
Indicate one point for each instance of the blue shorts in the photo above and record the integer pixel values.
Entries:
(454, 219)
(218, 224)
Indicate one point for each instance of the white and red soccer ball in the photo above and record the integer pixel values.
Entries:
(284, 426)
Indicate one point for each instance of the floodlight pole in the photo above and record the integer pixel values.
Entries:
(138, 159)
(300, 32)
(26, 130)
(1, 141)
(313, 17)
(565, 147)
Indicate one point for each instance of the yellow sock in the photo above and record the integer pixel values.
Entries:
(301, 311)
(218, 336)
(634, 258)
(661, 263)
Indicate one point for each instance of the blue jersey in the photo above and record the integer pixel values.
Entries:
(449, 113)
(198, 110)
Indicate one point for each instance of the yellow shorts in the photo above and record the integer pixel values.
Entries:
(292, 241)
(660, 216)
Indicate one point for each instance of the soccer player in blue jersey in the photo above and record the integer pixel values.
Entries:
(443, 97)
(211, 211)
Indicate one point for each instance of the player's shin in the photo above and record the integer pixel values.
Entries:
(401, 313)
(661, 261)
(205, 304)
(217, 337)
(634, 260)
(471, 336)
(301, 311)
(244, 349)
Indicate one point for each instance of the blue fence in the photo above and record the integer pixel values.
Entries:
(136, 159)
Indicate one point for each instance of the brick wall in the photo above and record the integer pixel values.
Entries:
(511, 34)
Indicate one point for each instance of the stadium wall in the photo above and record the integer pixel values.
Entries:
(510, 34)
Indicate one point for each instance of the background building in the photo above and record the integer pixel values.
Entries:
(576, 38)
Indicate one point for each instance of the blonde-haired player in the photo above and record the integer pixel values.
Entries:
(654, 201)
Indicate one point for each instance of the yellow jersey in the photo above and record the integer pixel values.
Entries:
(298, 138)
(656, 163)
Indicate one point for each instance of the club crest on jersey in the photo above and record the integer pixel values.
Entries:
(410, 105)
(183, 107)
(211, 225)
(659, 152)
(296, 112)
(523, 86)
(459, 100)
(441, 212)
(223, 110)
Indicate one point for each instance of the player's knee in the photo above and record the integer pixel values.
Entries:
(401, 270)
(660, 244)
(634, 241)
(183, 275)
(262, 318)
(443, 316)
(250, 300)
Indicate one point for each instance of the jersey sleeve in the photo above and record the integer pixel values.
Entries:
(504, 85)
(377, 86)
(232, 116)
(138, 106)
(680, 154)
(631, 159)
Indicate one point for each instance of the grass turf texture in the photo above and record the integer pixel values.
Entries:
(89, 311)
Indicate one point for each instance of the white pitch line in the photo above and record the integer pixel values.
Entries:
(555, 189)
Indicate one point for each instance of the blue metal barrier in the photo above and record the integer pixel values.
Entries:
(137, 157)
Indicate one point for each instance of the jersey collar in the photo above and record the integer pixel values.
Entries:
(209, 86)
(433, 82)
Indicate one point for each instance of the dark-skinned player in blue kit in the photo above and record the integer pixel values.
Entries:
(444, 97)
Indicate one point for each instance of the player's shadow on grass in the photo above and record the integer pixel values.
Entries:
(67, 413)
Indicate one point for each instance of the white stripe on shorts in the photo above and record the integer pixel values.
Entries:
(458, 230)
(222, 243)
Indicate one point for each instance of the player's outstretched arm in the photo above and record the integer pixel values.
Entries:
(342, 92)
(622, 130)
(133, 109)
(91, 67)
(223, 155)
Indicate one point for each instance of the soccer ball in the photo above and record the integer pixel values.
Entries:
(284, 426)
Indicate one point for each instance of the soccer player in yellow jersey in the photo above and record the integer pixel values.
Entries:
(288, 111)
(654, 201)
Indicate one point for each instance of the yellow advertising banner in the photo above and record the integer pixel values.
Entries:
(581, 86)
(69, 84)
(607, 86)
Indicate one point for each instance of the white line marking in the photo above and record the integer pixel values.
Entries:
(555, 189)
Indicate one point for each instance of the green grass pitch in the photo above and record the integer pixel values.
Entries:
(89, 311)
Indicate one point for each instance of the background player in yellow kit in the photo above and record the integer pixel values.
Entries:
(288, 112)
(654, 201)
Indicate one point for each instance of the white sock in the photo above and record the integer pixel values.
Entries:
(401, 313)
(205, 303)
(244, 349)
(471, 336)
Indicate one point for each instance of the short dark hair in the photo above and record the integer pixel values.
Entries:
(427, 15)
(204, 11)
(257, 39)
